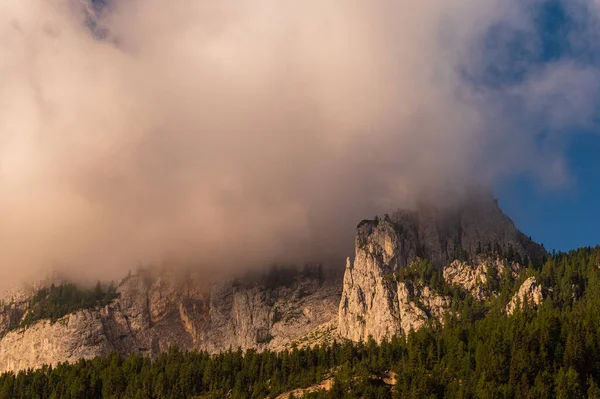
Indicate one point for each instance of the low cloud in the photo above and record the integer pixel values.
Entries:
(234, 134)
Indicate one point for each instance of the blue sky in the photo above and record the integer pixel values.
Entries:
(561, 218)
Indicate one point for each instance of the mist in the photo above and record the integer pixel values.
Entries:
(234, 134)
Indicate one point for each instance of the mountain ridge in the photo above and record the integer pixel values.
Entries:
(156, 310)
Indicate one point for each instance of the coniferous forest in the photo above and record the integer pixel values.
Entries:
(551, 351)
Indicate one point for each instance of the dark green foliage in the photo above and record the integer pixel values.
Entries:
(421, 270)
(57, 301)
(552, 351)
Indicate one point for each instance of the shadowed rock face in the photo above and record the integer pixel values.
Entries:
(442, 235)
(371, 304)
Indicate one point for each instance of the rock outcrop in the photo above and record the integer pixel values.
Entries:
(473, 276)
(418, 305)
(374, 303)
(530, 293)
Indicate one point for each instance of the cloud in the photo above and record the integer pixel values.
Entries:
(233, 134)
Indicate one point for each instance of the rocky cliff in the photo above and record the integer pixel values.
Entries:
(156, 310)
(376, 303)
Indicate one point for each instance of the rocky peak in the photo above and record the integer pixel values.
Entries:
(475, 229)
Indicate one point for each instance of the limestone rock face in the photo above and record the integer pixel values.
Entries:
(369, 305)
(161, 309)
(530, 292)
(375, 304)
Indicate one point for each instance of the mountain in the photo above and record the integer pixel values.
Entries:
(375, 303)
(465, 245)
